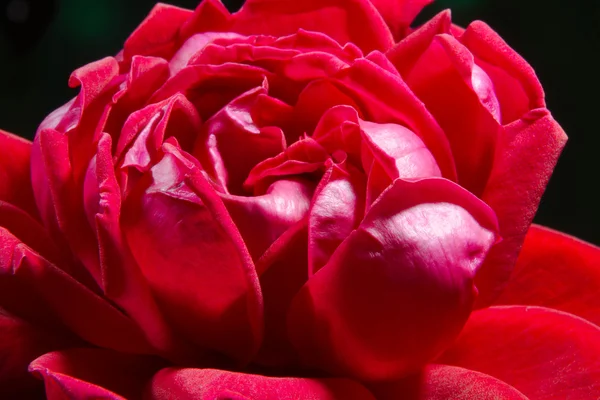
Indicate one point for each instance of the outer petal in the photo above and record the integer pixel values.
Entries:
(194, 258)
(556, 271)
(516, 84)
(86, 373)
(157, 35)
(21, 343)
(445, 382)
(397, 291)
(355, 21)
(399, 14)
(525, 156)
(15, 181)
(208, 384)
(544, 353)
(32, 287)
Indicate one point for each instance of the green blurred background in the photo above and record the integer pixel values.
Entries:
(42, 41)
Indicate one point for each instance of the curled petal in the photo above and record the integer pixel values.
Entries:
(338, 207)
(447, 80)
(208, 287)
(397, 291)
(262, 219)
(399, 14)
(517, 87)
(557, 271)
(543, 353)
(355, 21)
(205, 384)
(209, 16)
(231, 142)
(86, 373)
(157, 35)
(525, 156)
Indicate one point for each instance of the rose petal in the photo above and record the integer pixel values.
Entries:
(355, 21)
(384, 98)
(544, 353)
(15, 181)
(283, 269)
(231, 143)
(397, 291)
(517, 87)
(442, 382)
(86, 373)
(123, 281)
(450, 84)
(303, 157)
(399, 14)
(157, 35)
(194, 258)
(21, 343)
(556, 271)
(205, 384)
(209, 16)
(337, 208)
(262, 219)
(37, 289)
(526, 154)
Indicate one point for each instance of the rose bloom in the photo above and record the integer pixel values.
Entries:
(306, 199)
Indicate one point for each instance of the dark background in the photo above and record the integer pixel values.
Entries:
(42, 41)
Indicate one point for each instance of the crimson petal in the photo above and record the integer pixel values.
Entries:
(557, 271)
(397, 291)
(209, 384)
(86, 373)
(356, 21)
(544, 353)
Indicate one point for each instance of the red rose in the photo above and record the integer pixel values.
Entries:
(305, 199)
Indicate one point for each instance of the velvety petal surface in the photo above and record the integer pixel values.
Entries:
(543, 353)
(194, 257)
(86, 373)
(205, 384)
(397, 291)
(525, 156)
(557, 271)
(356, 21)
(445, 382)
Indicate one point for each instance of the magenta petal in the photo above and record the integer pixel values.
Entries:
(544, 353)
(262, 219)
(397, 291)
(194, 258)
(355, 21)
(517, 86)
(86, 373)
(385, 98)
(337, 209)
(557, 271)
(526, 154)
(209, 16)
(123, 281)
(209, 384)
